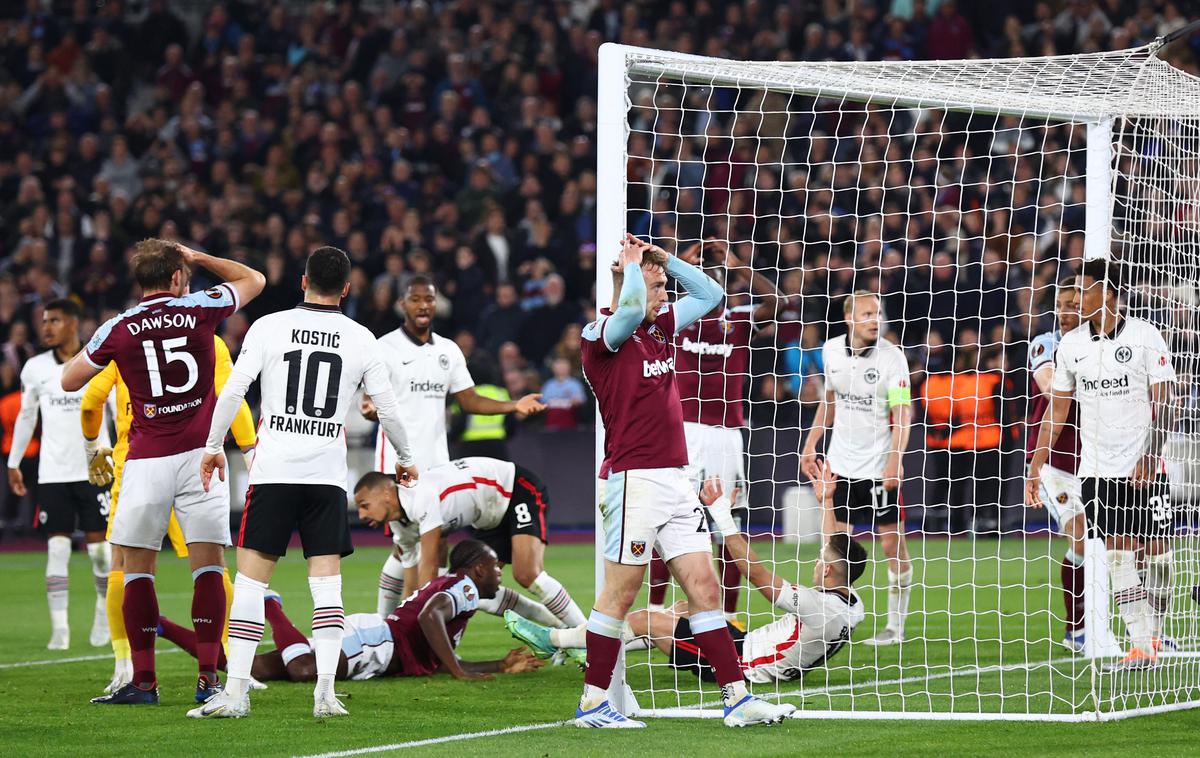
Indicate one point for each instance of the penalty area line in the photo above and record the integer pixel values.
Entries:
(439, 740)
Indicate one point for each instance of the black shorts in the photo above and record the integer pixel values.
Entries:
(865, 502)
(1115, 508)
(63, 506)
(317, 511)
(685, 653)
(526, 514)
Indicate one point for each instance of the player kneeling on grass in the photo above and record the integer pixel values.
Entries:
(820, 620)
(416, 639)
(505, 504)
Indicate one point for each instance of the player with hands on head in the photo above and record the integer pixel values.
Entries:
(425, 368)
(648, 501)
(1118, 370)
(164, 350)
(309, 363)
(108, 464)
(418, 638)
(868, 407)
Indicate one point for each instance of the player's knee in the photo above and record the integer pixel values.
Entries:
(525, 573)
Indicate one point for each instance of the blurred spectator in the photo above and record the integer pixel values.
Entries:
(563, 395)
(544, 325)
(501, 320)
(16, 513)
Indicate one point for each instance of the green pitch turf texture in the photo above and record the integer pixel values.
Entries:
(44, 709)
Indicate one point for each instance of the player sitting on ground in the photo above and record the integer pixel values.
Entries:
(66, 497)
(504, 503)
(417, 639)
(821, 619)
(106, 466)
(868, 405)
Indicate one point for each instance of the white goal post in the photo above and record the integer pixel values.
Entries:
(1011, 149)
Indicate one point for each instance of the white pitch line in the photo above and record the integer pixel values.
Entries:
(439, 740)
(77, 659)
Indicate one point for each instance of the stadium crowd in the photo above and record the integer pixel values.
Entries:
(457, 140)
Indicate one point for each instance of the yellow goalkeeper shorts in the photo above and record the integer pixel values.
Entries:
(174, 532)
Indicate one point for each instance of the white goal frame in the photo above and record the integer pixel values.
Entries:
(1101, 110)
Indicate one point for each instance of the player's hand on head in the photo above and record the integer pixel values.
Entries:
(208, 464)
(632, 249)
(407, 475)
(16, 482)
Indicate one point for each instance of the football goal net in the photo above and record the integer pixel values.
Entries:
(961, 193)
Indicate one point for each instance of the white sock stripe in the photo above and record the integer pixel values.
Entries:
(133, 577)
(390, 583)
(207, 570)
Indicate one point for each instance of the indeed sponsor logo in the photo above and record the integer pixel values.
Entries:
(428, 386)
(1093, 385)
(706, 348)
(658, 367)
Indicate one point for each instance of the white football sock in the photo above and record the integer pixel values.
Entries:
(508, 599)
(101, 555)
(1131, 599)
(58, 556)
(555, 598)
(391, 586)
(1159, 582)
(899, 589)
(329, 619)
(571, 637)
(246, 622)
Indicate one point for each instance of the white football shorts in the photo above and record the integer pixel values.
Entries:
(150, 486)
(1062, 494)
(644, 509)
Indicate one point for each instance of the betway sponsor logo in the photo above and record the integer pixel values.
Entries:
(657, 368)
(1098, 385)
(162, 321)
(706, 348)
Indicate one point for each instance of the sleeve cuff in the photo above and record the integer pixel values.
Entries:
(91, 362)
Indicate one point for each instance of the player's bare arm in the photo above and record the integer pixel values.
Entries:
(821, 421)
(713, 496)
(247, 282)
(893, 469)
(768, 294)
(427, 569)
(433, 619)
(472, 402)
(1162, 404)
(1051, 427)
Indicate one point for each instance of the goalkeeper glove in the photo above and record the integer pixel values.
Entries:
(720, 511)
(100, 463)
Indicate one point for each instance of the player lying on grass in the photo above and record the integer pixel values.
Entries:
(417, 639)
(504, 503)
(819, 623)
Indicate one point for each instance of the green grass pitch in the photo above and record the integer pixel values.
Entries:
(953, 657)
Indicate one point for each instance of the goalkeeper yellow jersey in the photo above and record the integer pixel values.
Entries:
(102, 384)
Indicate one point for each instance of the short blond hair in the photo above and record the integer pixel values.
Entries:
(852, 298)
